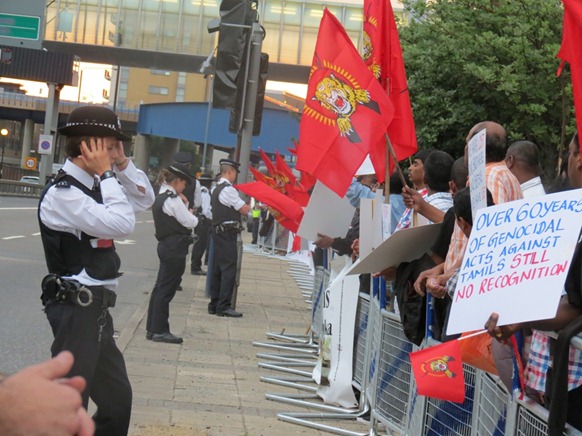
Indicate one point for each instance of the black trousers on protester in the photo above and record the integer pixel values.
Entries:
(172, 255)
(76, 329)
(200, 246)
(223, 269)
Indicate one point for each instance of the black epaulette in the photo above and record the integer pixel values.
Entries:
(171, 194)
(62, 184)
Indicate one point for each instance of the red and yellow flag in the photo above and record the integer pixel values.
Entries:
(571, 52)
(438, 372)
(383, 55)
(286, 211)
(346, 111)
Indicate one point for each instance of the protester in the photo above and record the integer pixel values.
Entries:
(500, 182)
(416, 176)
(173, 222)
(227, 208)
(569, 308)
(522, 159)
(41, 400)
(81, 210)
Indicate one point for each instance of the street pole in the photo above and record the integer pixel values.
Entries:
(246, 134)
(4, 133)
(250, 101)
(51, 118)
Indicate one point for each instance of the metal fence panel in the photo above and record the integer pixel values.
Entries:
(448, 418)
(360, 339)
(394, 373)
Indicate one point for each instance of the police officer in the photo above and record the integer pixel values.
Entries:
(91, 201)
(227, 208)
(173, 223)
(202, 231)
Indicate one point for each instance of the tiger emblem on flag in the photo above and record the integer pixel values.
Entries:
(439, 366)
(368, 56)
(341, 99)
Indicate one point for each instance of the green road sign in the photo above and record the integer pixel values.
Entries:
(19, 26)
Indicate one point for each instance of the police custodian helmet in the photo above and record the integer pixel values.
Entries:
(97, 121)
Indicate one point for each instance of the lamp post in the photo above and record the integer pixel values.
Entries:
(4, 133)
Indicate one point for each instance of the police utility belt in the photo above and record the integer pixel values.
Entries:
(67, 291)
(229, 226)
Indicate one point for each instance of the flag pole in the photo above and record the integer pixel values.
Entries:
(393, 153)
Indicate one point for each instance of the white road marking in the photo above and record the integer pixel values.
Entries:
(7, 238)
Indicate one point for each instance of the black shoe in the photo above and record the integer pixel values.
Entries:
(211, 310)
(231, 313)
(179, 288)
(149, 335)
(168, 338)
(198, 272)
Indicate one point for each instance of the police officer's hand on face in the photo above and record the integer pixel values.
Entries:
(121, 161)
(97, 156)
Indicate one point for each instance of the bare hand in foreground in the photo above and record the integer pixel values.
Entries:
(37, 400)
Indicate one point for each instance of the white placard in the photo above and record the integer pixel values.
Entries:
(326, 213)
(370, 224)
(45, 144)
(477, 177)
(403, 246)
(516, 261)
(339, 316)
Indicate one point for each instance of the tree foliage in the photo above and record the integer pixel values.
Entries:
(474, 60)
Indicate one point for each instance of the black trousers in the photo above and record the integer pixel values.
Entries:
(223, 270)
(76, 329)
(203, 232)
(172, 257)
(256, 225)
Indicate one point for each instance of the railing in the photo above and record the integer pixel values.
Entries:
(20, 189)
(382, 373)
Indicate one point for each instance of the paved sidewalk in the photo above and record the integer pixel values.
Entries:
(209, 385)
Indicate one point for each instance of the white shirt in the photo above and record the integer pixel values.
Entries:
(176, 208)
(229, 195)
(70, 210)
(197, 194)
(533, 188)
(206, 205)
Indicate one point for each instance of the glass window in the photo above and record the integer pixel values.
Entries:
(160, 72)
(158, 90)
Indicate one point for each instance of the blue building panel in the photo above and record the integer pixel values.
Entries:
(187, 121)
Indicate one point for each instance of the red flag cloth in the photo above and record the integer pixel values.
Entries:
(383, 56)
(438, 372)
(284, 169)
(268, 162)
(571, 52)
(346, 111)
(289, 212)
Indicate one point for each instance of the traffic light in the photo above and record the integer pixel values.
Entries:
(258, 116)
(236, 19)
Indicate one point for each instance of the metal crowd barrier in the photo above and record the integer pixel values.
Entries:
(382, 375)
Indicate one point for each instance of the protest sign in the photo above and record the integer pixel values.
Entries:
(370, 224)
(478, 186)
(403, 246)
(339, 318)
(326, 213)
(516, 261)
